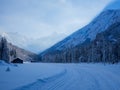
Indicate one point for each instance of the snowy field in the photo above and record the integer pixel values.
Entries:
(44, 76)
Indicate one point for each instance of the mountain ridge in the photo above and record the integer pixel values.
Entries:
(103, 21)
(9, 52)
(85, 29)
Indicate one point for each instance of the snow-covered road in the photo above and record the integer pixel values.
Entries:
(68, 77)
(79, 77)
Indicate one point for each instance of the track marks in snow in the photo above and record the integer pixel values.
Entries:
(79, 77)
(105, 78)
(37, 85)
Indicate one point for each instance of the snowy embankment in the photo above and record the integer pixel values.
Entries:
(43, 76)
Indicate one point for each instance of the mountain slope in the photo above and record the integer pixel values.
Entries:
(30, 43)
(15, 38)
(99, 24)
(9, 52)
(86, 34)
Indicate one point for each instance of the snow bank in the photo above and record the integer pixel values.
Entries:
(2, 62)
(25, 74)
(43, 76)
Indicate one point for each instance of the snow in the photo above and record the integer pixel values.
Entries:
(49, 76)
(2, 62)
(99, 24)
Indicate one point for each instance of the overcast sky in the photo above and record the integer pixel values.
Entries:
(39, 18)
(48, 18)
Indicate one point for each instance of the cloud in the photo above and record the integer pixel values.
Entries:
(41, 18)
(48, 15)
(39, 45)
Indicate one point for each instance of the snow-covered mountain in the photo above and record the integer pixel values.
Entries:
(101, 23)
(32, 44)
(21, 41)
(40, 44)
(16, 39)
(9, 51)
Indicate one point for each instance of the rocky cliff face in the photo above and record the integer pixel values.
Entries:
(9, 52)
(97, 42)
